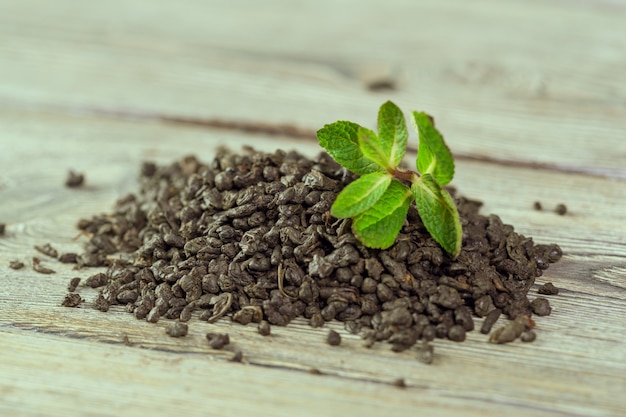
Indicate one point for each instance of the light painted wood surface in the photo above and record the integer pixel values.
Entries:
(530, 96)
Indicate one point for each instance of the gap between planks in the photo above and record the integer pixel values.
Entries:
(251, 127)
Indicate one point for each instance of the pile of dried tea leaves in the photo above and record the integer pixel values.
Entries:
(250, 236)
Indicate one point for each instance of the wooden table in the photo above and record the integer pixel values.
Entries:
(530, 94)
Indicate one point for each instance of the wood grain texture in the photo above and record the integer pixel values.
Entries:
(531, 97)
(580, 342)
(526, 81)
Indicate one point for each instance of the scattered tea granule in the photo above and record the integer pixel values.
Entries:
(218, 340)
(97, 280)
(456, 333)
(426, 353)
(68, 258)
(548, 289)
(510, 331)
(541, 306)
(237, 356)
(490, 320)
(400, 383)
(72, 300)
(528, 336)
(71, 287)
(333, 338)
(38, 267)
(47, 250)
(15, 264)
(264, 328)
(74, 179)
(177, 329)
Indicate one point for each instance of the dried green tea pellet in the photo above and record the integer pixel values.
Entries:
(74, 179)
(177, 329)
(38, 267)
(217, 340)
(97, 280)
(73, 284)
(425, 354)
(528, 336)
(507, 333)
(153, 316)
(68, 258)
(456, 333)
(72, 300)
(264, 328)
(548, 289)
(101, 304)
(237, 356)
(400, 383)
(48, 250)
(15, 264)
(490, 320)
(429, 333)
(333, 338)
(541, 306)
(317, 320)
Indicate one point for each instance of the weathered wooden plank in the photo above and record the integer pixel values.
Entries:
(531, 82)
(538, 84)
(578, 358)
(75, 377)
(576, 367)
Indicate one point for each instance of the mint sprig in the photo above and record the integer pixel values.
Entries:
(433, 156)
(360, 194)
(379, 225)
(438, 212)
(379, 200)
(342, 143)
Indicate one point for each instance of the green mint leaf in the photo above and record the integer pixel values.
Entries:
(372, 148)
(438, 213)
(379, 226)
(341, 141)
(360, 194)
(433, 156)
(392, 132)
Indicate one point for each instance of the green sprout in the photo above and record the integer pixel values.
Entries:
(378, 201)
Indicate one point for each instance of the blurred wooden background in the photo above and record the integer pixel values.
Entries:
(531, 96)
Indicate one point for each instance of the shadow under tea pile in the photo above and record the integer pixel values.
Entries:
(251, 237)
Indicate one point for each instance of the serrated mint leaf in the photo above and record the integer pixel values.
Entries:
(360, 194)
(371, 147)
(392, 133)
(342, 143)
(379, 226)
(438, 213)
(433, 155)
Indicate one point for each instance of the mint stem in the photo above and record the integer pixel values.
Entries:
(404, 175)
